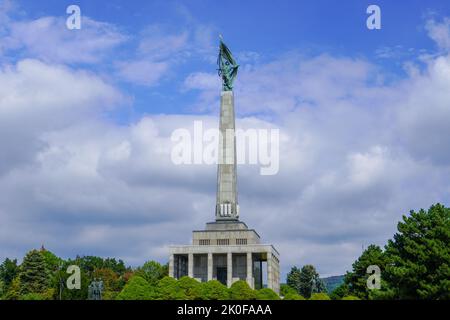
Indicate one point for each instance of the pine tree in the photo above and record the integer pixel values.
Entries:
(34, 276)
(419, 256)
(293, 279)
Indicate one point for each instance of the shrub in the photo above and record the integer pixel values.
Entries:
(319, 296)
(136, 289)
(214, 290)
(350, 298)
(191, 288)
(168, 289)
(240, 290)
(293, 296)
(266, 294)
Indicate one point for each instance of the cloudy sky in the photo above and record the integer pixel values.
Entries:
(86, 118)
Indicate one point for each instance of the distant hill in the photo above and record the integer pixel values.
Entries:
(332, 282)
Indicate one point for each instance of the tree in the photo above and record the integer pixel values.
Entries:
(240, 290)
(340, 292)
(13, 292)
(137, 288)
(111, 283)
(153, 271)
(169, 289)
(286, 289)
(266, 294)
(214, 290)
(191, 288)
(8, 271)
(293, 296)
(310, 282)
(319, 296)
(419, 256)
(356, 280)
(293, 279)
(34, 275)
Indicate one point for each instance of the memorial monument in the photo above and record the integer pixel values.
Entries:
(227, 250)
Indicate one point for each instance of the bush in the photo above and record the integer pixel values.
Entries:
(319, 296)
(168, 289)
(136, 289)
(240, 290)
(191, 288)
(266, 294)
(32, 296)
(293, 296)
(286, 289)
(350, 298)
(214, 290)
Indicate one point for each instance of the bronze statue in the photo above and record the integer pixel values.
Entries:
(227, 66)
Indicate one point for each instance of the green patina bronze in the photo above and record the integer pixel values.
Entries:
(227, 67)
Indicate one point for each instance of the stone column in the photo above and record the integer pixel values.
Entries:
(226, 203)
(250, 280)
(229, 269)
(210, 266)
(269, 271)
(171, 266)
(190, 265)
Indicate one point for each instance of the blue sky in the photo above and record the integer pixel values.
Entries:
(86, 118)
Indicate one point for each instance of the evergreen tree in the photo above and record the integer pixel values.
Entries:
(419, 256)
(8, 271)
(310, 281)
(356, 280)
(34, 275)
(293, 279)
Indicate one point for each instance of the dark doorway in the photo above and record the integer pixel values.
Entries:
(222, 275)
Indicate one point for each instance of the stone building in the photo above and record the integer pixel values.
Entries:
(227, 250)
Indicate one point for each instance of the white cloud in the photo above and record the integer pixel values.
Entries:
(439, 32)
(142, 72)
(48, 39)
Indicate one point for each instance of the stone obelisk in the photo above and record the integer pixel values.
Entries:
(227, 204)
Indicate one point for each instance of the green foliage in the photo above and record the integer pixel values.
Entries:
(34, 275)
(310, 281)
(293, 296)
(33, 296)
(13, 292)
(266, 294)
(286, 289)
(356, 280)
(214, 290)
(293, 279)
(191, 288)
(8, 271)
(340, 292)
(305, 281)
(240, 290)
(419, 255)
(137, 288)
(350, 298)
(169, 289)
(153, 271)
(319, 296)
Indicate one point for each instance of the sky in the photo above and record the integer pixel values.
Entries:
(86, 118)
